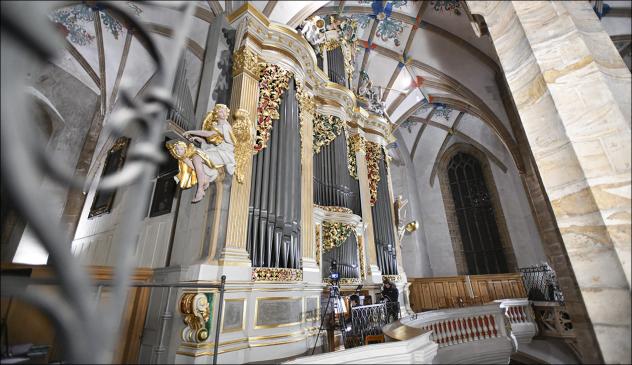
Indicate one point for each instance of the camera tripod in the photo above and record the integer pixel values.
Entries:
(334, 293)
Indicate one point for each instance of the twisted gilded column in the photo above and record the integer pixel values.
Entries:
(357, 144)
(245, 95)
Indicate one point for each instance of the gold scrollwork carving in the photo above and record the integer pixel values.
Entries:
(393, 278)
(373, 156)
(318, 244)
(355, 143)
(344, 281)
(326, 129)
(245, 60)
(334, 209)
(242, 138)
(276, 274)
(196, 311)
(272, 84)
(306, 109)
(361, 254)
(330, 44)
(335, 234)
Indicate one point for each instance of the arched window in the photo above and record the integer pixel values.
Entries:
(474, 208)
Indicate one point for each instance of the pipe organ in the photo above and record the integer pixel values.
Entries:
(384, 232)
(336, 66)
(274, 221)
(310, 186)
(333, 185)
(347, 258)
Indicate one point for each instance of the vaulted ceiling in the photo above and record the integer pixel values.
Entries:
(435, 73)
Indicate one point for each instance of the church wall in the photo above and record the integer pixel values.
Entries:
(70, 105)
(94, 236)
(521, 227)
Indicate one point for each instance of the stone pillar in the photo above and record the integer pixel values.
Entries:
(357, 145)
(307, 109)
(572, 92)
(245, 95)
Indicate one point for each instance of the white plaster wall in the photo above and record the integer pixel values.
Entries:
(520, 223)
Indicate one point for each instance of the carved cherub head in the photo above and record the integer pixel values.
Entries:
(177, 149)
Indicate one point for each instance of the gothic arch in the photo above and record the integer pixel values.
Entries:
(451, 214)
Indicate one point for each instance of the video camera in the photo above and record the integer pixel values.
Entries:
(334, 275)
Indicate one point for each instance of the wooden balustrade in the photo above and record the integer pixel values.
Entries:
(463, 290)
(27, 324)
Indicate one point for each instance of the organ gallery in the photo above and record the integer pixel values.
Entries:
(316, 182)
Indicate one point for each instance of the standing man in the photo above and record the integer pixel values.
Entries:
(391, 294)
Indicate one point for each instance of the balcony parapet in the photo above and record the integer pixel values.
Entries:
(521, 317)
(416, 350)
(471, 335)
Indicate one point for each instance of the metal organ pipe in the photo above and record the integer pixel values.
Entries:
(274, 212)
(336, 66)
(383, 226)
(333, 185)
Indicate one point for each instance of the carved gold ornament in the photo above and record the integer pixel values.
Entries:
(273, 83)
(318, 244)
(355, 143)
(361, 254)
(196, 311)
(306, 109)
(373, 157)
(245, 60)
(412, 226)
(242, 139)
(393, 278)
(335, 209)
(276, 274)
(335, 234)
(182, 151)
(326, 129)
(344, 281)
(330, 44)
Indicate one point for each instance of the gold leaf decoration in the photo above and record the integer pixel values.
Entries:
(326, 129)
(333, 208)
(273, 82)
(355, 143)
(373, 157)
(245, 60)
(306, 109)
(242, 139)
(276, 274)
(335, 234)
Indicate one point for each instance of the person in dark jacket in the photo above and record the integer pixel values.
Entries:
(391, 294)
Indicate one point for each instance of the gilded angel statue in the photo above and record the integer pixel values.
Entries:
(201, 165)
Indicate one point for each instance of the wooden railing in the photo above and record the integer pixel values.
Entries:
(27, 324)
(463, 290)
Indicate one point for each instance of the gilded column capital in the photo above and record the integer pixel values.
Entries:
(245, 60)
(306, 101)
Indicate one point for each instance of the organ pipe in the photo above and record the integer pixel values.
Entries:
(275, 194)
(383, 230)
(333, 185)
(336, 66)
(346, 256)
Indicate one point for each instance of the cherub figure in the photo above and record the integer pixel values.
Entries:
(200, 165)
